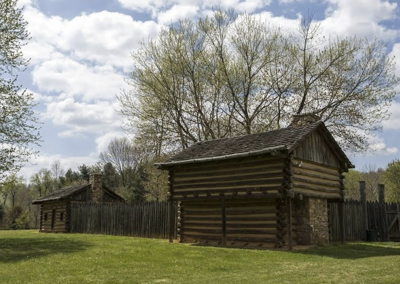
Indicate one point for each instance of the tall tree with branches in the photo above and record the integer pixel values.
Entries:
(229, 75)
(18, 122)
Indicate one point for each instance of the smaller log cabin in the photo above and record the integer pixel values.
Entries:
(55, 207)
(265, 189)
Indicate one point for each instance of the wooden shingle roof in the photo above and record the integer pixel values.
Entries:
(69, 191)
(285, 139)
(62, 193)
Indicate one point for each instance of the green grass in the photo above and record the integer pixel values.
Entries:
(32, 257)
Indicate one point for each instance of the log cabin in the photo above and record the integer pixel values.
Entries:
(268, 189)
(55, 207)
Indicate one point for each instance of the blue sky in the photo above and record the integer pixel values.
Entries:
(80, 56)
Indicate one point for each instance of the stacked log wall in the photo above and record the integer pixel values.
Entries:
(316, 180)
(59, 225)
(260, 176)
(249, 222)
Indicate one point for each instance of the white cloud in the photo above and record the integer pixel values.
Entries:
(106, 37)
(249, 6)
(282, 22)
(360, 17)
(103, 141)
(394, 121)
(64, 75)
(396, 54)
(379, 147)
(40, 98)
(23, 3)
(81, 118)
(177, 12)
(164, 9)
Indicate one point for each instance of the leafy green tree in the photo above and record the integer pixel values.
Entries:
(351, 184)
(42, 182)
(138, 185)
(84, 172)
(110, 176)
(72, 177)
(14, 214)
(228, 75)
(391, 178)
(22, 221)
(372, 178)
(156, 182)
(19, 129)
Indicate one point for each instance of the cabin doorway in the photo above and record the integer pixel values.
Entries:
(53, 219)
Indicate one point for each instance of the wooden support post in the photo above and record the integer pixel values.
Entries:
(398, 214)
(341, 222)
(68, 216)
(381, 192)
(223, 212)
(171, 219)
(363, 198)
(384, 232)
(289, 216)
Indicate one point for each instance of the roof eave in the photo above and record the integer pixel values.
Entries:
(269, 150)
(46, 200)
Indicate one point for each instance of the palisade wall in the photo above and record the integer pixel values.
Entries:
(147, 220)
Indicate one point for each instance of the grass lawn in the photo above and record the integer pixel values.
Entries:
(33, 257)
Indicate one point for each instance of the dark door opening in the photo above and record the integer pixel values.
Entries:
(53, 219)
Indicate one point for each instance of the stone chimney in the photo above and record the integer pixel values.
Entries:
(96, 183)
(299, 120)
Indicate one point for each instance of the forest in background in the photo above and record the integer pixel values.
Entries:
(131, 173)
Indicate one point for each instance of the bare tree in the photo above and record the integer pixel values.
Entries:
(56, 170)
(392, 181)
(124, 156)
(372, 178)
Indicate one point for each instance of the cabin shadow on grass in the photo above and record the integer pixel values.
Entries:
(15, 250)
(354, 251)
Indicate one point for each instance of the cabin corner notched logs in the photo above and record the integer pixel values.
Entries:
(268, 189)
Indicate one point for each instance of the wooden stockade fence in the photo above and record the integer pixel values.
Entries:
(147, 220)
(382, 219)
(378, 220)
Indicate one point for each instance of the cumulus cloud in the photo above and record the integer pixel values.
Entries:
(378, 146)
(103, 141)
(361, 18)
(164, 9)
(40, 98)
(103, 38)
(282, 22)
(73, 78)
(177, 12)
(81, 118)
(396, 54)
(393, 123)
